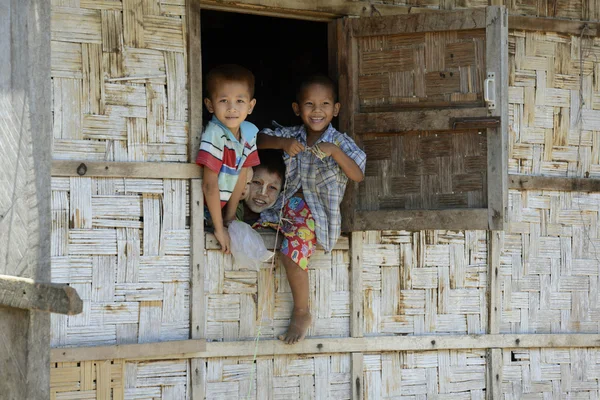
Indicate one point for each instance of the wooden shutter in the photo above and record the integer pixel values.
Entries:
(412, 94)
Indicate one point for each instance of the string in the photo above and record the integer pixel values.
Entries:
(270, 276)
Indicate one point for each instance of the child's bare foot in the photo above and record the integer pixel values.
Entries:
(299, 324)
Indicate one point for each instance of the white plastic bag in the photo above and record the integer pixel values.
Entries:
(247, 246)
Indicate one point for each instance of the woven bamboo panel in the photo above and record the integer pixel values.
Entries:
(124, 245)
(119, 380)
(119, 80)
(424, 282)
(281, 377)
(554, 111)
(421, 69)
(551, 374)
(443, 375)
(550, 263)
(425, 171)
(237, 298)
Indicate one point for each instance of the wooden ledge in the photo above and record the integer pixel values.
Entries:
(528, 182)
(147, 170)
(201, 349)
(415, 220)
(269, 238)
(24, 293)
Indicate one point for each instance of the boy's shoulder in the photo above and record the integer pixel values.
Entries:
(249, 131)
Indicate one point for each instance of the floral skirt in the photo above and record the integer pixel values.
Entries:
(298, 229)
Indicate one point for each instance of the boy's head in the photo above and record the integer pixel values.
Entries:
(316, 103)
(268, 180)
(230, 94)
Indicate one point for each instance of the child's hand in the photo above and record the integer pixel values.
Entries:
(328, 148)
(223, 238)
(293, 147)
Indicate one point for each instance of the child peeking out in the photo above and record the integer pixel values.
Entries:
(228, 145)
(319, 160)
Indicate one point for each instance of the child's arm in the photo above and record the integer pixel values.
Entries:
(234, 200)
(210, 186)
(347, 164)
(289, 145)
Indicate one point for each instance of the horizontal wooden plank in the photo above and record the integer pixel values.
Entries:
(411, 121)
(126, 169)
(269, 239)
(27, 294)
(308, 10)
(423, 22)
(525, 182)
(553, 25)
(137, 351)
(201, 349)
(414, 220)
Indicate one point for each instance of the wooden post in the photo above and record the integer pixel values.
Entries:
(197, 306)
(26, 132)
(494, 356)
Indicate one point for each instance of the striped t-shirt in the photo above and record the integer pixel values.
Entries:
(223, 153)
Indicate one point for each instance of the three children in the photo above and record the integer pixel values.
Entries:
(319, 161)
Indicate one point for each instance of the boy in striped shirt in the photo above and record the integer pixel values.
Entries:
(228, 145)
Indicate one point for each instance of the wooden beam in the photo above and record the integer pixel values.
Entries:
(415, 220)
(201, 349)
(269, 238)
(497, 138)
(26, 294)
(198, 260)
(553, 25)
(525, 182)
(322, 10)
(413, 121)
(149, 170)
(357, 308)
(423, 22)
(137, 351)
(494, 374)
(357, 383)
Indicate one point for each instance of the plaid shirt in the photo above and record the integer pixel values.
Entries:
(322, 181)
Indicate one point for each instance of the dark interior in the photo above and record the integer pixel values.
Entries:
(279, 51)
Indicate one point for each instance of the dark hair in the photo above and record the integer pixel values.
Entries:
(317, 79)
(231, 73)
(272, 161)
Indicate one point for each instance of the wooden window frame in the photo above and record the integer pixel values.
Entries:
(342, 56)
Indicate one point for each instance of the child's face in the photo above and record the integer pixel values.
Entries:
(316, 108)
(264, 189)
(246, 191)
(231, 104)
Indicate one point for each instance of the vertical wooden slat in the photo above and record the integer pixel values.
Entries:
(197, 307)
(357, 382)
(357, 300)
(347, 64)
(497, 139)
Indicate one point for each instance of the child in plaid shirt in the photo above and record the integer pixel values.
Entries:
(319, 161)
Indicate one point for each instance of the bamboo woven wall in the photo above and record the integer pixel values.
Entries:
(237, 298)
(425, 282)
(119, 94)
(124, 245)
(119, 380)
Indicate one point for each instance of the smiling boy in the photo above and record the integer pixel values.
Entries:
(228, 144)
(315, 188)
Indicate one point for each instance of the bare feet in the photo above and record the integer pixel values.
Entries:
(299, 324)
